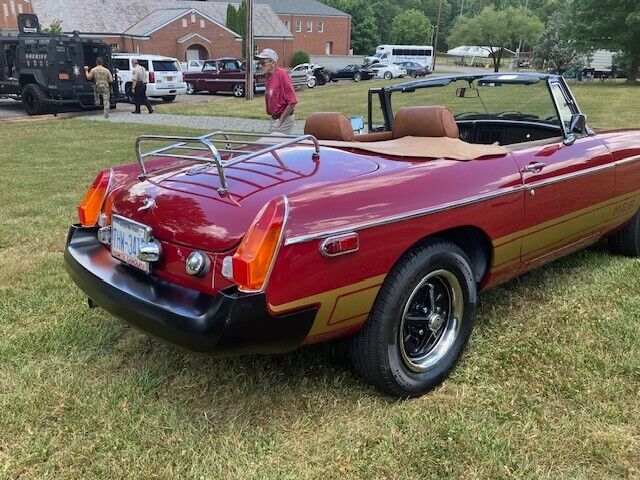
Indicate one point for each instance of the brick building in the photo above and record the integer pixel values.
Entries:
(188, 29)
(9, 11)
(317, 28)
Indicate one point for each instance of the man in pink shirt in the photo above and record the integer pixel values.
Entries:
(280, 95)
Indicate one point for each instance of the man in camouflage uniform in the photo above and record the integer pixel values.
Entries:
(103, 79)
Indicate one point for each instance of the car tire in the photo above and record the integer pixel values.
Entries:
(357, 77)
(33, 99)
(311, 82)
(191, 89)
(238, 90)
(168, 98)
(334, 80)
(414, 74)
(433, 286)
(388, 75)
(626, 241)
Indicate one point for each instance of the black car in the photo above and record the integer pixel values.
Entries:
(46, 72)
(352, 72)
(415, 69)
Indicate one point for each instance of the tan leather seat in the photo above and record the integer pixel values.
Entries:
(329, 126)
(425, 122)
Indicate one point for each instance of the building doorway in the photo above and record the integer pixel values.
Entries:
(196, 52)
(328, 48)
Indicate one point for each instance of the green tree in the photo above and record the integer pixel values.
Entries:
(300, 57)
(411, 27)
(612, 24)
(364, 29)
(556, 49)
(54, 29)
(232, 18)
(496, 29)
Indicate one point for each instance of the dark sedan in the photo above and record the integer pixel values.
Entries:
(352, 72)
(415, 69)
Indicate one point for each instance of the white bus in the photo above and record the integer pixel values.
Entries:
(404, 53)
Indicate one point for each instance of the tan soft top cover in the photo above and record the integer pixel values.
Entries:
(424, 147)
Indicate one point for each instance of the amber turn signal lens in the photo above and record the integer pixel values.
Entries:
(252, 261)
(91, 205)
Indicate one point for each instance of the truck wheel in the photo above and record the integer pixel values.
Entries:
(33, 99)
(191, 89)
(169, 98)
(627, 240)
(420, 322)
(388, 75)
(238, 90)
(311, 82)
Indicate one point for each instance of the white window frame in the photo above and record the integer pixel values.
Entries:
(320, 26)
(298, 25)
(184, 22)
(5, 8)
(20, 9)
(202, 23)
(287, 23)
(309, 26)
(193, 18)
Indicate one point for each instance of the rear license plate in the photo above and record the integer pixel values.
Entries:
(169, 79)
(126, 237)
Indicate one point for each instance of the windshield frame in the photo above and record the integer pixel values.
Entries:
(384, 93)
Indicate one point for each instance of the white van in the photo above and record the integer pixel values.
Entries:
(166, 80)
(422, 54)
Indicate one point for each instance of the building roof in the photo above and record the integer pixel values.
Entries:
(141, 17)
(303, 7)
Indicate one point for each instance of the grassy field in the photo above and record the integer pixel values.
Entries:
(548, 388)
(606, 105)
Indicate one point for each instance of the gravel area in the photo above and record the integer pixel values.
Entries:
(230, 124)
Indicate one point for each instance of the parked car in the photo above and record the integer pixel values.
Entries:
(166, 79)
(387, 71)
(319, 73)
(385, 238)
(302, 76)
(352, 72)
(221, 75)
(415, 69)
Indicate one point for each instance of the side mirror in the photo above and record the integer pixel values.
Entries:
(357, 124)
(578, 123)
(467, 92)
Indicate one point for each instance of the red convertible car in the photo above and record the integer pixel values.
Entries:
(230, 243)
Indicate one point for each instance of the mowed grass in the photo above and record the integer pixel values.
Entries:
(549, 387)
(607, 104)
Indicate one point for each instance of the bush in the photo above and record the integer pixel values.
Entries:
(300, 57)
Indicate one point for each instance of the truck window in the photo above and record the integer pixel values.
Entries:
(166, 66)
(122, 63)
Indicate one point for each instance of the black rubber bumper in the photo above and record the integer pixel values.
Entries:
(227, 323)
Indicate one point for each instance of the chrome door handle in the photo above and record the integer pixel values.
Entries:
(533, 167)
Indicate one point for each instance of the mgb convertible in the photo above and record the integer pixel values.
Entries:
(231, 243)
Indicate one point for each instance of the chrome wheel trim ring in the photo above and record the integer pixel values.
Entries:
(448, 331)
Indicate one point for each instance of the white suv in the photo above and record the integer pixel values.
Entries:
(166, 80)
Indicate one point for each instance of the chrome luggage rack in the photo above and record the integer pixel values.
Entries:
(234, 145)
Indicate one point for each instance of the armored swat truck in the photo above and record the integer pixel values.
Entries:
(46, 72)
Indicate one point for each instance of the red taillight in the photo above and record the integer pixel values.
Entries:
(91, 205)
(252, 261)
(340, 245)
(63, 75)
(152, 77)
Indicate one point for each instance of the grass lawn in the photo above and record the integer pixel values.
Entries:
(548, 388)
(606, 104)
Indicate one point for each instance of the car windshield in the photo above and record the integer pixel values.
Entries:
(166, 66)
(507, 102)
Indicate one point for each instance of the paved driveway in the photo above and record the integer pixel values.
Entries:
(10, 109)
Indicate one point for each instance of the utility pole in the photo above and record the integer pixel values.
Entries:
(435, 43)
(248, 90)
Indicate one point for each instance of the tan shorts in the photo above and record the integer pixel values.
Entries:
(285, 128)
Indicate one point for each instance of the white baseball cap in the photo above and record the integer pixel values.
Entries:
(268, 54)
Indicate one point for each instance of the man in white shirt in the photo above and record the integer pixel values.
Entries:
(139, 87)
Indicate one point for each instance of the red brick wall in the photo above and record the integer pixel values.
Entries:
(336, 30)
(165, 41)
(283, 47)
(9, 10)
